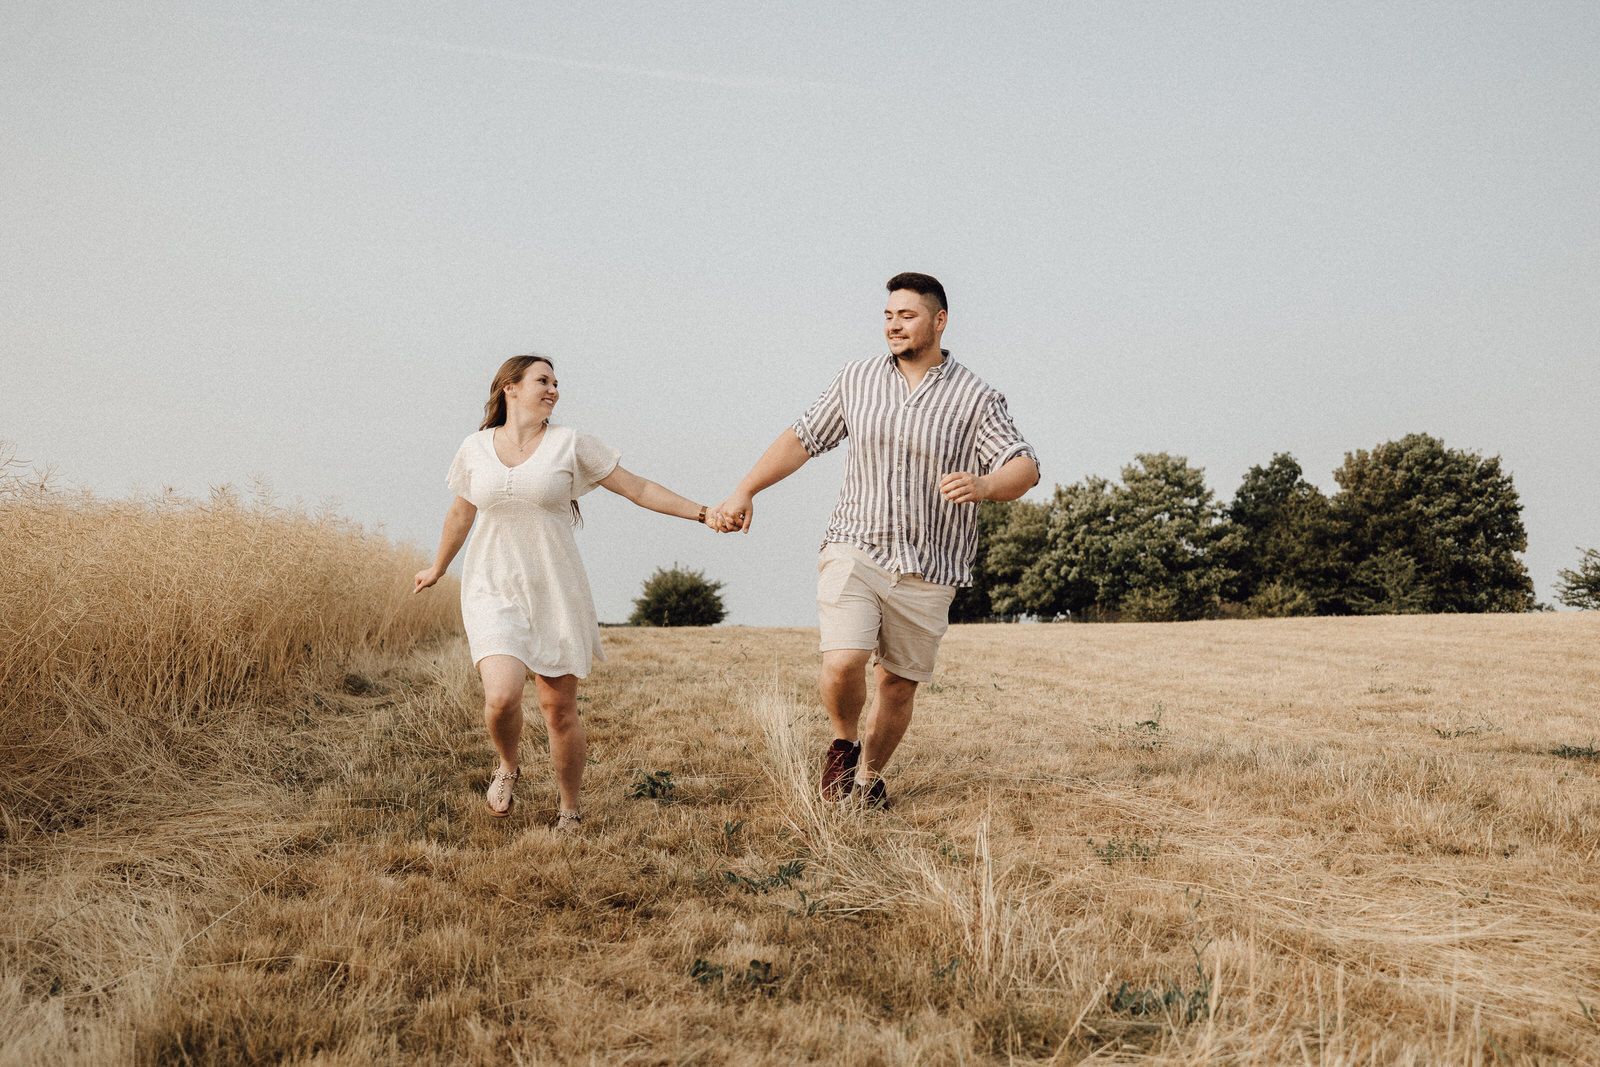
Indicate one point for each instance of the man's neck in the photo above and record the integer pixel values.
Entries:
(915, 368)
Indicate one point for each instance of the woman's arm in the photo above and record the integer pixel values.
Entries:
(457, 524)
(649, 495)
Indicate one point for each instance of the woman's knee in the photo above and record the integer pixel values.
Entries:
(500, 703)
(560, 714)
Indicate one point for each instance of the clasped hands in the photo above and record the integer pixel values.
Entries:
(738, 512)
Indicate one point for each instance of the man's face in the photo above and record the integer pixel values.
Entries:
(912, 323)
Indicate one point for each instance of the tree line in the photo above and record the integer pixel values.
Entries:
(1413, 527)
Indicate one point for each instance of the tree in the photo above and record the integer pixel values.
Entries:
(1430, 528)
(1154, 547)
(1580, 588)
(1064, 579)
(678, 597)
(1288, 561)
(1010, 536)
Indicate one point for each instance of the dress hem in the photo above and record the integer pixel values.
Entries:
(547, 672)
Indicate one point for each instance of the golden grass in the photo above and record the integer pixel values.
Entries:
(160, 666)
(1329, 841)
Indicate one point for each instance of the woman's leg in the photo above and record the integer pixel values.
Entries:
(558, 699)
(503, 678)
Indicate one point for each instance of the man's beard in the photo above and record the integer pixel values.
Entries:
(909, 354)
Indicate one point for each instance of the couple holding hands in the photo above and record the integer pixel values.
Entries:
(929, 440)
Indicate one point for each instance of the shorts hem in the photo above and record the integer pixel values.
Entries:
(905, 672)
(838, 646)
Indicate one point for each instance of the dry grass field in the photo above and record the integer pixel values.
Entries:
(1328, 841)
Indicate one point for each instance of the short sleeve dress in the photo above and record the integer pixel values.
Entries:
(524, 591)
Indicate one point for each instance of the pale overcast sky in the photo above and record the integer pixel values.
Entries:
(295, 240)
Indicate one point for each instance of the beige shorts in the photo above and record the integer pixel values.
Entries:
(899, 616)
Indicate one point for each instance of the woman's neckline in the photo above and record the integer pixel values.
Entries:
(489, 440)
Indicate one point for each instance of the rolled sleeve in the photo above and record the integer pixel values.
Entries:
(997, 440)
(822, 427)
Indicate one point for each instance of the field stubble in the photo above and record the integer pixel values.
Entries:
(1326, 841)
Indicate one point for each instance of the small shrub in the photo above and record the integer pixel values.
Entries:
(677, 596)
(1126, 848)
(1278, 600)
(1182, 1004)
(779, 879)
(657, 786)
(1150, 605)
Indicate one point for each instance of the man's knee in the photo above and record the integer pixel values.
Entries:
(894, 684)
(842, 666)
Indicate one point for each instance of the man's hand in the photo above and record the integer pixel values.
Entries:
(964, 488)
(719, 522)
(738, 512)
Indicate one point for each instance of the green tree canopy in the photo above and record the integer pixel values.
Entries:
(1153, 547)
(678, 597)
(1430, 528)
(1287, 559)
(1011, 534)
(1580, 587)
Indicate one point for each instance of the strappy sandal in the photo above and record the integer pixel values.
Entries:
(568, 822)
(496, 781)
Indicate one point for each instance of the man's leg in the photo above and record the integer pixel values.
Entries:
(843, 686)
(916, 615)
(848, 618)
(886, 725)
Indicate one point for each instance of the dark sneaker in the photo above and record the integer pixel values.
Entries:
(876, 796)
(839, 769)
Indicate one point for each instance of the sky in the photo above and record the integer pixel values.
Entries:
(291, 242)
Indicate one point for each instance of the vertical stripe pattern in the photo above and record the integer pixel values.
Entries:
(902, 441)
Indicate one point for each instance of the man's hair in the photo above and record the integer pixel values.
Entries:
(926, 284)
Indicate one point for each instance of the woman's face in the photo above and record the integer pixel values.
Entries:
(536, 393)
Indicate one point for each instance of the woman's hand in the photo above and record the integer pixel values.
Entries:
(721, 522)
(425, 578)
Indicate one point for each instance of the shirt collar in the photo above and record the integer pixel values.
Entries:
(935, 371)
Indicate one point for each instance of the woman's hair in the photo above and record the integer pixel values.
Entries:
(510, 372)
(494, 412)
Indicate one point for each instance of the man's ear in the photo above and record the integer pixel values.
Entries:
(940, 317)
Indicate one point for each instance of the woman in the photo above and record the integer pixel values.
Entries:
(524, 594)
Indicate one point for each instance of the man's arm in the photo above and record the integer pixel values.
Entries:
(1013, 478)
(782, 458)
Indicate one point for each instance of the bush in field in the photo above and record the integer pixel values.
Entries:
(1430, 528)
(678, 597)
(1580, 587)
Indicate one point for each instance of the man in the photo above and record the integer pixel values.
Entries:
(929, 440)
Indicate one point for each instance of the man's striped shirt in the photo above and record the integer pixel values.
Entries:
(902, 442)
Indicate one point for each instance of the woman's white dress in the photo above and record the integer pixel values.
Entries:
(524, 592)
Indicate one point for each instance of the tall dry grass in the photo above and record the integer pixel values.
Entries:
(156, 660)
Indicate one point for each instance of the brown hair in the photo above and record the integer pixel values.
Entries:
(510, 372)
(926, 284)
(494, 412)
